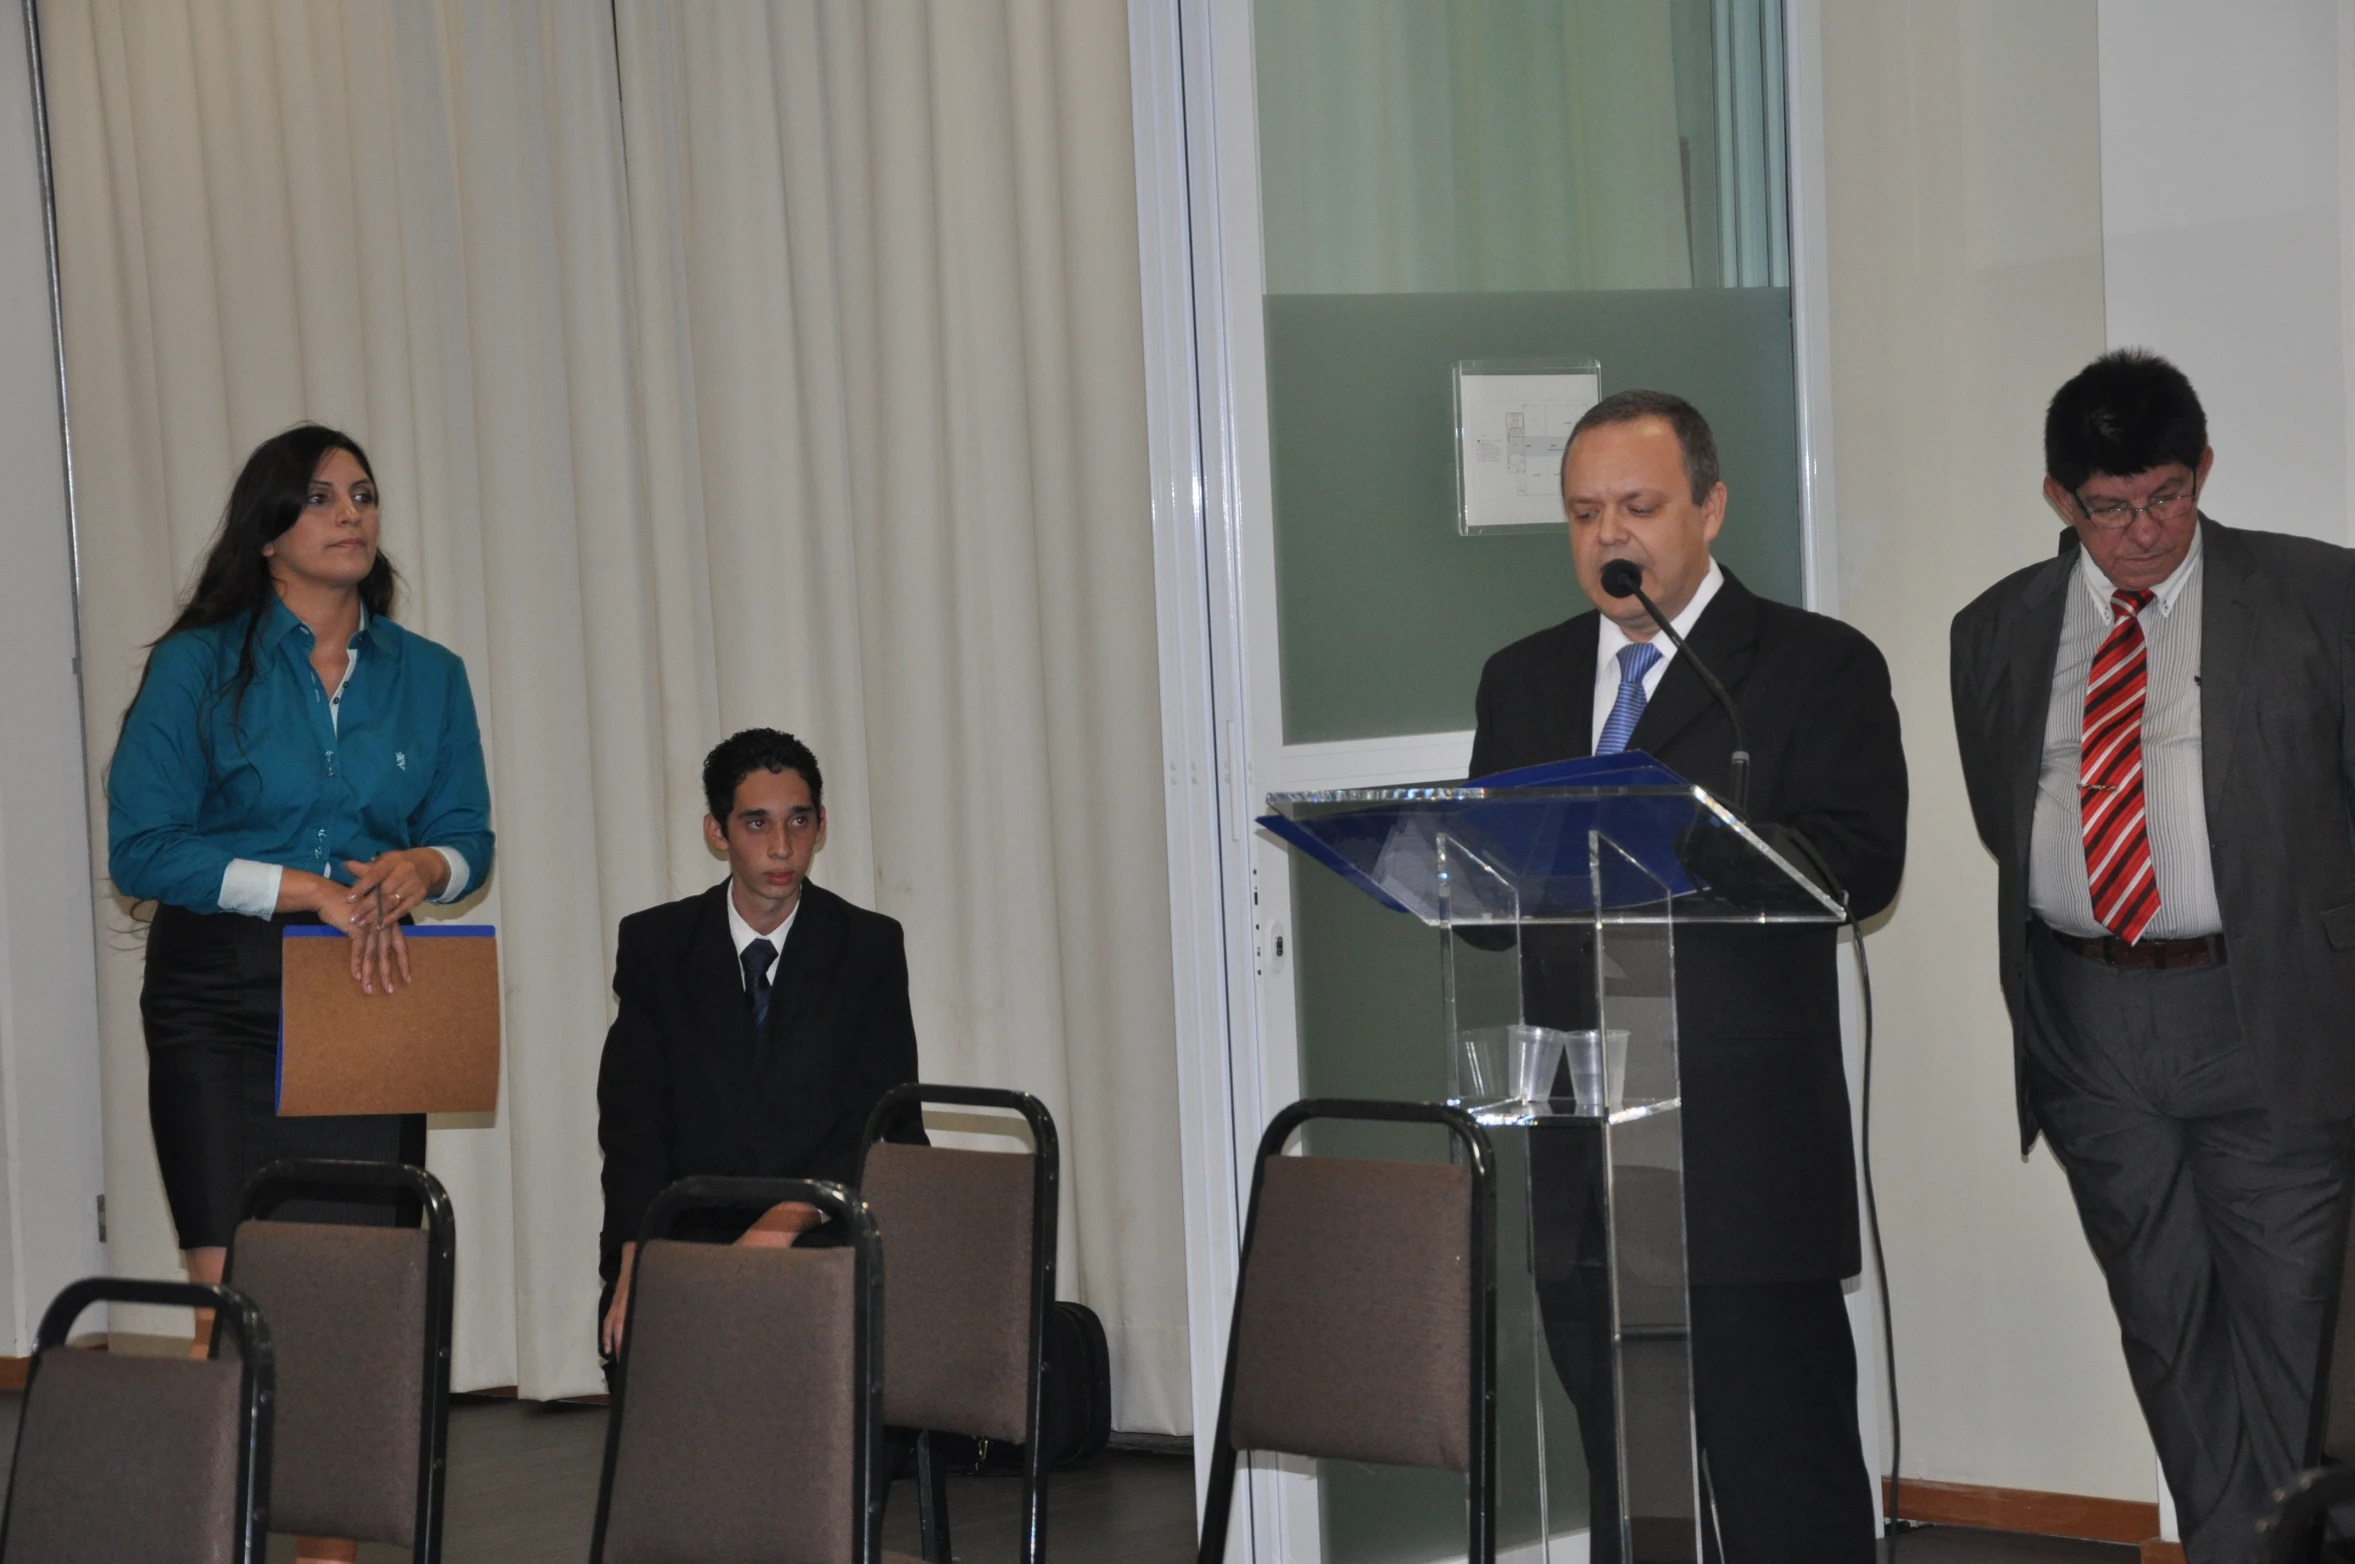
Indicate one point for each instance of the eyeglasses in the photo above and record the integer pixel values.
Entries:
(2111, 515)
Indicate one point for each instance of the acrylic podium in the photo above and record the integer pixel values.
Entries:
(1564, 886)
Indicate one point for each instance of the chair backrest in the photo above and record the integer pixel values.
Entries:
(1354, 1331)
(2338, 1410)
(1365, 1313)
(956, 1320)
(744, 1424)
(972, 1239)
(163, 1460)
(360, 1317)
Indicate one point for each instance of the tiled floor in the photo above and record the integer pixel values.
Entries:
(523, 1490)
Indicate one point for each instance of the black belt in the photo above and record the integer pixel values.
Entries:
(2206, 951)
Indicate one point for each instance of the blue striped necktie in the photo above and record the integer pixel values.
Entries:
(757, 958)
(1635, 660)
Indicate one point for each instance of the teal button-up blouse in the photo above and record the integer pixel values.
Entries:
(201, 779)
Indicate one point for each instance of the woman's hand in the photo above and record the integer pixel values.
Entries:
(402, 878)
(380, 893)
(375, 948)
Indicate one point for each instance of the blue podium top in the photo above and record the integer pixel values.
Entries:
(1614, 838)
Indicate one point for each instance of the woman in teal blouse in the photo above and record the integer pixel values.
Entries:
(292, 756)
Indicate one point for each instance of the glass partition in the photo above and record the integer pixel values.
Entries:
(1385, 610)
(1443, 180)
(1452, 180)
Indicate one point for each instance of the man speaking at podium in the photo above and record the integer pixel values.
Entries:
(1770, 1180)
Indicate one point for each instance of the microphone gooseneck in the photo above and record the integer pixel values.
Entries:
(1625, 578)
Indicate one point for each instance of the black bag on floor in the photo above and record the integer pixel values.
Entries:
(1078, 1412)
(1078, 1420)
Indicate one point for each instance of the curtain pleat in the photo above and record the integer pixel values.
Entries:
(721, 365)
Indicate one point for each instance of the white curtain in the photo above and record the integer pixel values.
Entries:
(721, 365)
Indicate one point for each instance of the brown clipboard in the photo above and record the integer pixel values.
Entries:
(430, 1046)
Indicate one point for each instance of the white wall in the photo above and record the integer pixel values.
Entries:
(2225, 175)
(50, 1168)
(2015, 185)
(1963, 165)
(2221, 222)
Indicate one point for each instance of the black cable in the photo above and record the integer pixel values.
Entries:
(1892, 1526)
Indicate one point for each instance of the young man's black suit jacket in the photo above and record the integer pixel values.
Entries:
(687, 1088)
(1770, 1183)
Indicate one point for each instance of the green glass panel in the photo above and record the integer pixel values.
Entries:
(1371, 1021)
(1385, 611)
(1487, 145)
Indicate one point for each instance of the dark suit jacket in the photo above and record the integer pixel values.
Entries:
(1770, 1183)
(2277, 758)
(687, 1088)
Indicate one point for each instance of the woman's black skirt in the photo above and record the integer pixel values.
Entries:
(210, 1007)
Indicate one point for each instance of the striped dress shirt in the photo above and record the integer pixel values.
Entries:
(2173, 793)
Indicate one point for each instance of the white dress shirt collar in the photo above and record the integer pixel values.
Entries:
(2099, 586)
(744, 933)
(1611, 638)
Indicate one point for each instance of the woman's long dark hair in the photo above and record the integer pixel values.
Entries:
(267, 498)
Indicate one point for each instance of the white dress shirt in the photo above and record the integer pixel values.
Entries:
(744, 934)
(2174, 795)
(250, 886)
(1612, 638)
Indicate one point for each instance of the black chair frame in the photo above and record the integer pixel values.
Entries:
(1480, 1478)
(932, 1496)
(305, 1178)
(842, 1210)
(2293, 1528)
(257, 1383)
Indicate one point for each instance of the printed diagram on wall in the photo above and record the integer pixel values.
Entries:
(1513, 418)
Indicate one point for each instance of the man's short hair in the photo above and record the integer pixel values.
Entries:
(2126, 412)
(756, 749)
(1692, 431)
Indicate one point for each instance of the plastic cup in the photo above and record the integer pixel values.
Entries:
(1598, 1069)
(1506, 1074)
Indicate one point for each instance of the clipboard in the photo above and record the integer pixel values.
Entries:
(430, 1046)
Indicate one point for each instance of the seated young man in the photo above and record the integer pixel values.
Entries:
(759, 1022)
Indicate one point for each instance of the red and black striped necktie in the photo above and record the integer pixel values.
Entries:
(2117, 837)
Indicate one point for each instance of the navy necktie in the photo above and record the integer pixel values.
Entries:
(1635, 660)
(757, 958)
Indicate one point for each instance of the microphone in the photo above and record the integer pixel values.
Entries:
(1625, 578)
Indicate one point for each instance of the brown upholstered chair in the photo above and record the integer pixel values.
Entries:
(1365, 1314)
(746, 1421)
(971, 1239)
(2294, 1528)
(361, 1320)
(164, 1460)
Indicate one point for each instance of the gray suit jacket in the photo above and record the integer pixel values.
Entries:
(2277, 653)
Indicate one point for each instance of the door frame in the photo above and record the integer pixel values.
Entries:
(1195, 113)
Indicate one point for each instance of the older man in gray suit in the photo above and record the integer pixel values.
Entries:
(2156, 738)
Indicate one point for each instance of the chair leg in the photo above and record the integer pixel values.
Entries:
(1219, 1498)
(932, 1501)
(1034, 1510)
